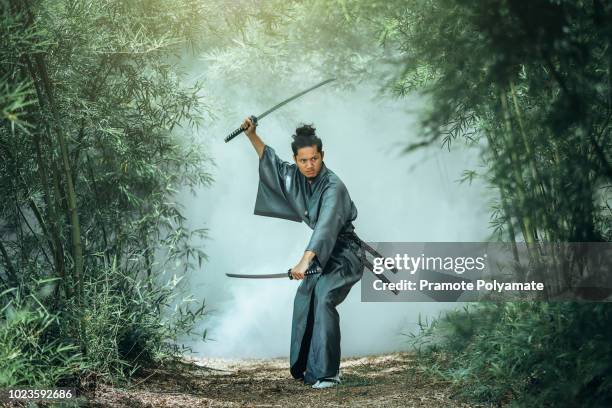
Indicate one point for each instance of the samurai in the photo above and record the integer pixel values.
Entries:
(307, 191)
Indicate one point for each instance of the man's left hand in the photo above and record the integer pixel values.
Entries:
(298, 270)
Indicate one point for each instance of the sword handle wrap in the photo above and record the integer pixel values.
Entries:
(239, 130)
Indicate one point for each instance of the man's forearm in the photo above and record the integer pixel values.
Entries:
(257, 143)
(308, 257)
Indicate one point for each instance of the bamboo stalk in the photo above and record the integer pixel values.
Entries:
(18, 178)
(33, 233)
(526, 222)
(75, 227)
(40, 68)
(505, 205)
(51, 203)
(535, 174)
(98, 198)
(58, 249)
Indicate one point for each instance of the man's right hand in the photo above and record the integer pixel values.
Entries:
(249, 127)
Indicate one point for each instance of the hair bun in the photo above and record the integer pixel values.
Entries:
(305, 137)
(305, 131)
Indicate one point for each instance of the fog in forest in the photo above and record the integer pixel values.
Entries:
(414, 197)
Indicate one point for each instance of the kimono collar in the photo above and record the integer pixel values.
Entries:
(319, 176)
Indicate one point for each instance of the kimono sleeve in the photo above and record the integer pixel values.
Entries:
(275, 177)
(334, 213)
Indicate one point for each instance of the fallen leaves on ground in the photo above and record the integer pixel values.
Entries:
(388, 380)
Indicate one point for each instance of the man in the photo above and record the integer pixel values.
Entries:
(308, 191)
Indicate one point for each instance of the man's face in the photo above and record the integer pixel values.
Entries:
(309, 160)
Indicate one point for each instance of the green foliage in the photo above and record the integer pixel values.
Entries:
(533, 81)
(534, 354)
(30, 355)
(95, 120)
(14, 99)
(127, 324)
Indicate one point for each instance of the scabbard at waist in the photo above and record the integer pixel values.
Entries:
(349, 237)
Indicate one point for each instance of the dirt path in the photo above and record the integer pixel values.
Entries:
(388, 380)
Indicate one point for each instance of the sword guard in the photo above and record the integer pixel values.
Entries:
(240, 129)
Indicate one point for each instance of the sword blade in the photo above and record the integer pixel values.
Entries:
(313, 269)
(275, 107)
(265, 276)
(286, 101)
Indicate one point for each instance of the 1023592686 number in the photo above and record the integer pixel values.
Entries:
(13, 394)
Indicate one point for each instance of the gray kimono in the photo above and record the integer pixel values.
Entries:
(326, 207)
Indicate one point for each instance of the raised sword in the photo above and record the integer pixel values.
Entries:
(275, 107)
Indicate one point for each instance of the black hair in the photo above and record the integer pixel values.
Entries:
(305, 137)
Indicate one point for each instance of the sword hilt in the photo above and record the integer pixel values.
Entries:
(312, 270)
(240, 130)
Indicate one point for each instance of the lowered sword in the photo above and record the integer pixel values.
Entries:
(315, 268)
(275, 107)
(312, 270)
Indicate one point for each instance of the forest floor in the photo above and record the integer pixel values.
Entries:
(388, 380)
